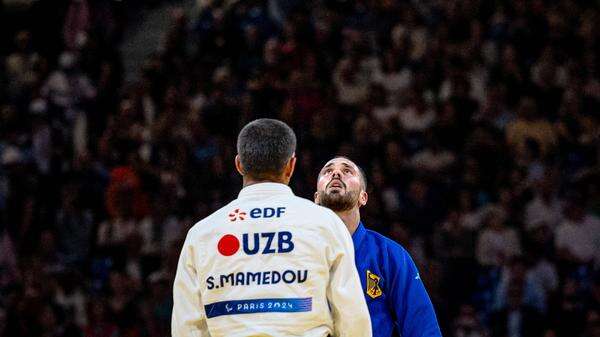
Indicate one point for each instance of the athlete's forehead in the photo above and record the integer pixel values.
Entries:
(341, 161)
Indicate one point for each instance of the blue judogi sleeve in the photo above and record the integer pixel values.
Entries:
(414, 310)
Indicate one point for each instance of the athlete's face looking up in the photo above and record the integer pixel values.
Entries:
(340, 186)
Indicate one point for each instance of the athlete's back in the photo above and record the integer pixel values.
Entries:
(269, 264)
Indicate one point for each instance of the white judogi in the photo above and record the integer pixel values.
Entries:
(269, 264)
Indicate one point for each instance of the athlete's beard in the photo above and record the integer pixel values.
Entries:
(338, 202)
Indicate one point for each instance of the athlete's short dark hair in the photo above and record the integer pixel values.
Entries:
(265, 146)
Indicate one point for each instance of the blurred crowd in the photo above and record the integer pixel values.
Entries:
(477, 123)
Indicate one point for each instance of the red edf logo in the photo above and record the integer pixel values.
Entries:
(237, 214)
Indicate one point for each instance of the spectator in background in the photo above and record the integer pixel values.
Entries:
(545, 273)
(100, 324)
(126, 203)
(8, 259)
(470, 216)
(67, 87)
(394, 76)
(70, 297)
(516, 319)
(74, 226)
(160, 304)
(467, 324)
(434, 159)
(383, 110)
(531, 292)
(20, 66)
(160, 229)
(545, 207)
(351, 85)
(529, 125)
(416, 116)
(77, 23)
(115, 231)
(48, 254)
(455, 247)
(577, 238)
(419, 209)
(497, 243)
(122, 303)
(568, 318)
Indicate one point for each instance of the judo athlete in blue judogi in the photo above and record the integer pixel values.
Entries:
(397, 300)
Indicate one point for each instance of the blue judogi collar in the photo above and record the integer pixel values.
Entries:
(359, 235)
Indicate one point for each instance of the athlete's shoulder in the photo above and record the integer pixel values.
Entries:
(311, 208)
(318, 217)
(395, 259)
(214, 219)
(386, 244)
(303, 202)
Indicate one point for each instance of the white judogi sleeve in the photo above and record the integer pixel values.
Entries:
(189, 318)
(350, 312)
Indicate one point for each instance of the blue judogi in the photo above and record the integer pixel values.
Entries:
(397, 300)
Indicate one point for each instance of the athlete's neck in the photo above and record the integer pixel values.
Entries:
(247, 181)
(351, 218)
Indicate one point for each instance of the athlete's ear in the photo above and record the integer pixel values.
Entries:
(363, 198)
(317, 199)
(291, 165)
(238, 165)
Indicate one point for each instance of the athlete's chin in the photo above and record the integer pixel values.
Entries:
(338, 207)
(336, 203)
(336, 191)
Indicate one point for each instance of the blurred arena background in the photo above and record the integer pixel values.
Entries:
(477, 122)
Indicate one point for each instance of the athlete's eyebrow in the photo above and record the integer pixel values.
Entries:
(324, 168)
(348, 165)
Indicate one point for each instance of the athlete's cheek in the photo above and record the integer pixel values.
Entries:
(322, 181)
(354, 181)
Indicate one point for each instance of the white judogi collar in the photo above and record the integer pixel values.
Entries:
(265, 189)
